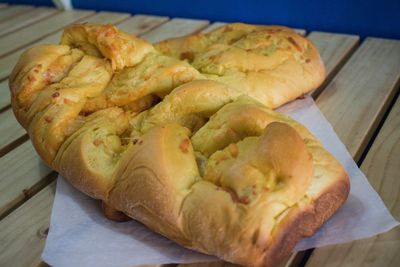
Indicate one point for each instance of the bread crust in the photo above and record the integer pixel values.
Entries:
(304, 222)
(300, 223)
(208, 166)
(235, 55)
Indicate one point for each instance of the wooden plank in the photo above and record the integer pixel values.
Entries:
(34, 32)
(4, 95)
(14, 11)
(10, 130)
(175, 28)
(23, 232)
(103, 17)
(22, 173)
(335, 49)
(17, 22)
(382, 168)
(362, 88)
(140, 24)
(213, 26)
(300, 31)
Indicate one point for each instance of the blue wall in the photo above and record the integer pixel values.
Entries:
(30, 2)
(362, 17)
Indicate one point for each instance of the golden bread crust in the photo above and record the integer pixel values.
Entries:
(189, 148)
(254, 60)
(122, 49)
(304, 222)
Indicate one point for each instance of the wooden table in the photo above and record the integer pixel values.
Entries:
(359, 98)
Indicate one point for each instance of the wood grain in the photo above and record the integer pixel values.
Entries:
(140, 24)
(355, 100)
(213, 26)
(35, 31)
(300, 31)
(103, 17)
(175, 28)
(382, 168)
(13, 11)
(335, 49)
(9, 128)
(23, 232)
(16, 22)
(4, 95)
(21, 174)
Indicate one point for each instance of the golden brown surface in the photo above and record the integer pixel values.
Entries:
(208, 166)
(255, 60)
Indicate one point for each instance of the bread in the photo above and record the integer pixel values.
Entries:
(200, 159)
(255, 60)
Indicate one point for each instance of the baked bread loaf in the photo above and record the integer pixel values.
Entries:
(272, 64)
(189, 148)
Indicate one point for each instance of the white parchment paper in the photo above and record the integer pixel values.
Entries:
(81, 236)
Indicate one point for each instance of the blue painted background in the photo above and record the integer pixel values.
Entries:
(362, 17)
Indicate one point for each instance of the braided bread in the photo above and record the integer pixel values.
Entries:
(181, 137)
